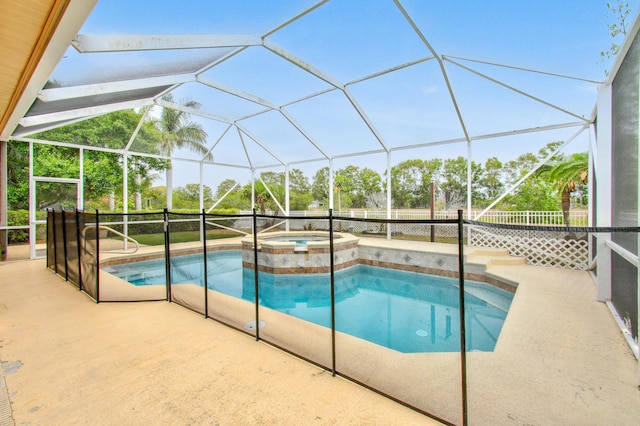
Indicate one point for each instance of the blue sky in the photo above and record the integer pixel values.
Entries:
(350, 39)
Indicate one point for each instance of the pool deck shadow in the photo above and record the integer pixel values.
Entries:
(560, 359)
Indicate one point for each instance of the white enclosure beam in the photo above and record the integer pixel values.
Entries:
(283, 53)
(260, 101)
(125, 198)
(305, 66)
(520, 92)
(224, 196)
(244, 147)
(295, 18)
(61, 93)
(26, 132)
(273, 197)
(603, 189)
(192, 111)
(80, 203)
(287, 201)
(137, 129)
(331, 184)
(260, 144)
(442, 67)
(304, 133)
(236, 92)
(365, 118)
(492, 135)
(32, 206)
(389, 70)
(530, 70)
(389, 193)
(469, 180)
(35, 120)
(201, 188)
(86, 43)
(210, 151)
(67, 145)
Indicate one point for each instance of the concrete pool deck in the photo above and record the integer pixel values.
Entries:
(68, 360)
(560, 359)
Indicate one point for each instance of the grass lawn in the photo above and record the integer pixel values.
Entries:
(182, 237)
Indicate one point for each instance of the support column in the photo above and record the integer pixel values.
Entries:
(603, 190)
(201, 202)
(125, 197)
(331, 184)
(389, 193)
(253, 189)
(32, 206)
(80, 189)
(4, 218)
(287, 183)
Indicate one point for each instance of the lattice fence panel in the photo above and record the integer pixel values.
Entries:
(538, 248)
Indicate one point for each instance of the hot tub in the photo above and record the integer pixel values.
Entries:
(297, 252)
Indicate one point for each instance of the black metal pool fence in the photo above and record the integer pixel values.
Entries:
(435, 384)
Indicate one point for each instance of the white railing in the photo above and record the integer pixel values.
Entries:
(576, 217)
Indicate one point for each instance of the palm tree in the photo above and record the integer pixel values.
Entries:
(178, 131)
(566, 176)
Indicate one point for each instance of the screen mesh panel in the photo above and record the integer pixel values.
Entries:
(624, 191)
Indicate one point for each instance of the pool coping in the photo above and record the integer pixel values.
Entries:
(477, 260)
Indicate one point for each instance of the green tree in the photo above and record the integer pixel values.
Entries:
(273, 178)
(369, 182)
(491, 179)
(224, 187)
(234, 199)
(188, 197)
(178, 131)
(535, 193)
(405, 178)
(411, 182)
(263, 199)
(320, 185)
(454, 175)
(18, 175)
(567, 176)
(102, 170)
(298, 181)
(300, 191)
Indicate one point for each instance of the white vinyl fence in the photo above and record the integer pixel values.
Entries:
(554, 249)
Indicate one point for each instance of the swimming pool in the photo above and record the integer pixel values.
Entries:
(405, 311)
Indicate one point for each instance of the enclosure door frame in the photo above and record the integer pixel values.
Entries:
(33, 222)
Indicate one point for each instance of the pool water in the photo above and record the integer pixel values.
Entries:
(405, 311)
(301, 241)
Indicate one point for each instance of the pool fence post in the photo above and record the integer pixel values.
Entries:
(255, 272)
(333, 295)
(79, 249)
(463, 339)
(55, 242)
(167, 254)
(432, 211)
(206, 276)
(64, 244)
(47, 260)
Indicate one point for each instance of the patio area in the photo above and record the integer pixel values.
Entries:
(67, 360)
(561, 359)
